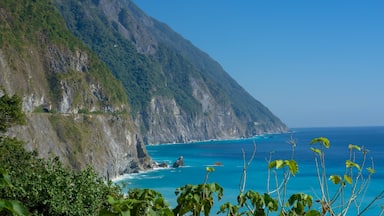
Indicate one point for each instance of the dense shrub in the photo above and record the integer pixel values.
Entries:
(47, 187)
(10, 111)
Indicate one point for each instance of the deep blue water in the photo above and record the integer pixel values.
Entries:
(199, 155)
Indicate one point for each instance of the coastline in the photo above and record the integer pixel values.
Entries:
(259, 136)
(156, 166)
(256, 137)
(166, 180)
(131, 175)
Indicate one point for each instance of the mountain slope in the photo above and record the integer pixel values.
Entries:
(75, 107)
(177, 92)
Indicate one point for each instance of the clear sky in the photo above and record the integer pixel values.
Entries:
(313, 63)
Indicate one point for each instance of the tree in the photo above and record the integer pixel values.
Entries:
(10, 206)
(10, 112)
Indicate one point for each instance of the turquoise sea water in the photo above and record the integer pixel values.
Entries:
(199, 155)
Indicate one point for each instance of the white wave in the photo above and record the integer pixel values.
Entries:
(139, 175)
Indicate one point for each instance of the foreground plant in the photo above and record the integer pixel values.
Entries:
(352, 185)
(197, 199)
(138, 202)
(13, 207)
(350, 193)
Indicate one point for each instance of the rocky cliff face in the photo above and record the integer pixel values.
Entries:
(168, 122)
(179, 93)
(101, 138)
(118, 79)
(75, 108)
(105, 142)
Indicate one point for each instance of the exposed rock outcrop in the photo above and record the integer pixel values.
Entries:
(75, 107)
(102, 141)
(178, 92)
(179, 162)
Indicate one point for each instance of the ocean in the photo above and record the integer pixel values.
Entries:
(226, 157)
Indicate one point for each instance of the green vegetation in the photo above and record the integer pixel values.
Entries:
(47, 187)
(31, 185)
(166, 73)
(10, 112)
(32, 21)
(197, 199)
(14, 207)
(126, 64)
(44, 187)
(223, 87)
(29, 26)
(140, 202)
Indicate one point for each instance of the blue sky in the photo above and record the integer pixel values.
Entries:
(312, 63)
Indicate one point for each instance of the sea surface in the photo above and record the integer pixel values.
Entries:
(229, 153)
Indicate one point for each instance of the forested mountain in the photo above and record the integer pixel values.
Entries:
(75, 107)
(99, 79)
(177, 92)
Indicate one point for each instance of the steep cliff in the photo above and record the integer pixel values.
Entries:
(75, 107)
(177, 92)
(107, 79)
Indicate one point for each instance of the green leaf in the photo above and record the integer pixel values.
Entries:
(335, 179)
(371, 170)
(196, 197)
(2, 205)
(322, 140)
(5, 180)
(272, 165)
(348, 179)
(316, 150)
(350, 164)
(312, 213)
(13, 206)
(293, 167)
(18, 208)
(279, 164)
(126, 213)
(111, 200)
(351, 146)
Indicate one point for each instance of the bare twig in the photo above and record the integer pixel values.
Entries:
(378, 197)
(243, 179)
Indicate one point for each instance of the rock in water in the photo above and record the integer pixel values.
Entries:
(179, 162)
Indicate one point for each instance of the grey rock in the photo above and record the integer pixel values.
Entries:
(179, 162)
